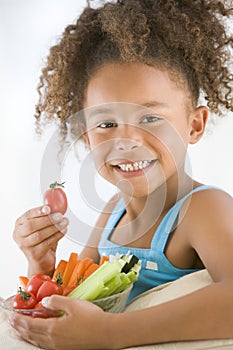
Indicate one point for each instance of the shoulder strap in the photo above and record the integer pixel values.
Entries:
(113, 219)
(169, 222)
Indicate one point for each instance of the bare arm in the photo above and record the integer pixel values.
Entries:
(204, 314)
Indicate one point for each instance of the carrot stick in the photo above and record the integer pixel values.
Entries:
(103, 259)
(73, 281)
(60, 269)
(84, 264)
(68, 289)
(69, 269)
(23, 280)
(90, 270)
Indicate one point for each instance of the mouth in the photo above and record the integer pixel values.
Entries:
(137, 166)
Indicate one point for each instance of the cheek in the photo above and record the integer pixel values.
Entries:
(98, 158)
(99, 150)
(170, 144)
(97, 140)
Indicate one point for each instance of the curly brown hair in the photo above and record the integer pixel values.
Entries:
(189, 38)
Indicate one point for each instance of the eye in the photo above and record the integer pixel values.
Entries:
(150, 119)
(107, 124)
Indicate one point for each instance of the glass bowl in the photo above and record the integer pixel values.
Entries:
(114, 303)
(40, 312)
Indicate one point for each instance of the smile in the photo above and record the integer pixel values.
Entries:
(140, 165)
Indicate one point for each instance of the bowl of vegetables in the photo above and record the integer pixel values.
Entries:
(107, 285)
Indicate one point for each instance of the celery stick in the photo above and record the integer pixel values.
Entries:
(103, 293)
(132, 276)
(111, 286)
(90, 293)
(90, 287)
(125, 283)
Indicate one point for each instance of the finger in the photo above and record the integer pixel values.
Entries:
(33, 213)
(45, 238)
(62, 225)
(68, 305)
(52, 241)
(56, 219)
(56, 302)
(52, 222)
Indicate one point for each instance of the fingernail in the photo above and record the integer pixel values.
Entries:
(45, 301)
(63, 223)
(64, 231)
(56, 217)
(45, 209)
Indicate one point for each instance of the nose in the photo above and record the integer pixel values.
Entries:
(129, 138)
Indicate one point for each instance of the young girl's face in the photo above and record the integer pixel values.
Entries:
(138, 126)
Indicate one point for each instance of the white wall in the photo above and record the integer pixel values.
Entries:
(27, 30)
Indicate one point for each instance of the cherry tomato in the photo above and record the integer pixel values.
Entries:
(36, 281)
(56, 198)
(24, 300)
(42, 312)
(39, 305)
(49, 288)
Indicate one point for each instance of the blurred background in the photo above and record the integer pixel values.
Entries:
(27, 30)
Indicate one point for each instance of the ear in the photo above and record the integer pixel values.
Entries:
(198, 120)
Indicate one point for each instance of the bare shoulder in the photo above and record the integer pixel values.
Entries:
(207, 220)
(91, 248)
(208, 203)
(208, 209)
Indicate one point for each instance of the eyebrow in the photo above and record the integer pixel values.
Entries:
(148, 104)
(99, 111)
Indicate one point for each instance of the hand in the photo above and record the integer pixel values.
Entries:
(82, 327)
(37, 234)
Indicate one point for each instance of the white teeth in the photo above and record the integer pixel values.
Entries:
(135, 166)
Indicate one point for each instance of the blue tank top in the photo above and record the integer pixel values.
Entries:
(156, 269)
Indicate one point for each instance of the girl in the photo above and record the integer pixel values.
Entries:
(137, 68)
